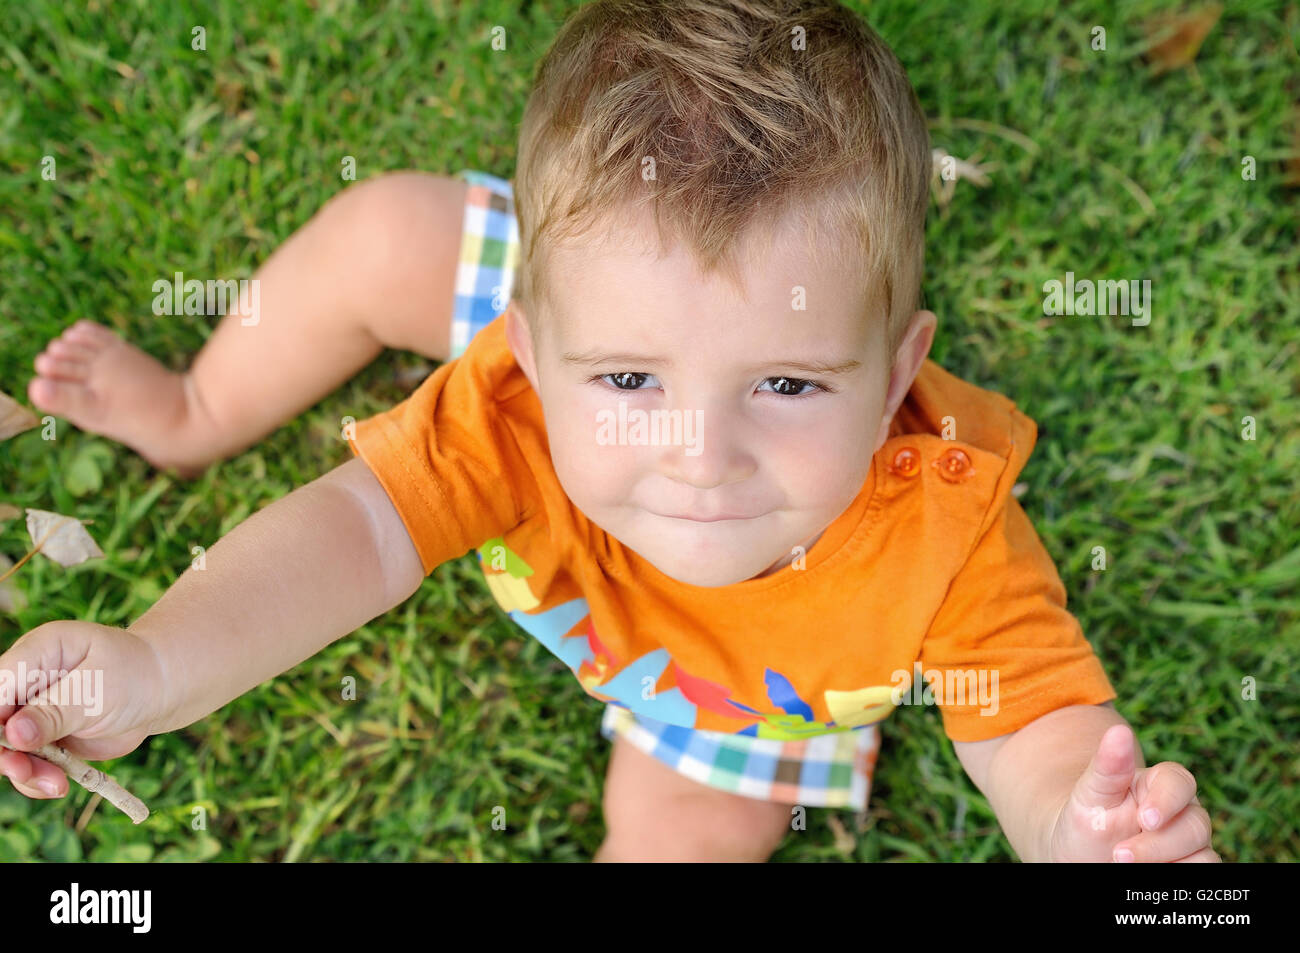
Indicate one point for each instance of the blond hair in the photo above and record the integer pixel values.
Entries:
(742, 125)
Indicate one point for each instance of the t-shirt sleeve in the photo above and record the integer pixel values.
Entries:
(448, 461)
(1003, 642)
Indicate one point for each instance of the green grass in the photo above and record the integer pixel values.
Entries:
(174, 160)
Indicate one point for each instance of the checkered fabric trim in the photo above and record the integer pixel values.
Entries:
(832, 770)
(489, 254)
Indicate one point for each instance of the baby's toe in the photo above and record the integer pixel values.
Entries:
(88, 333)
(71, 350)
(61, 397)
(60, 368)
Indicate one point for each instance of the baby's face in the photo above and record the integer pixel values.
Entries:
(777, 449)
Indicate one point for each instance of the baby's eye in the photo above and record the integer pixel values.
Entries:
(624, 377)
(785, 386)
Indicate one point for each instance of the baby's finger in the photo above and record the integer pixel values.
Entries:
(14, 763)
(33, 777)
(1162, 791)
(1185, 834)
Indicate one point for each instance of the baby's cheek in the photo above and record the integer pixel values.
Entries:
(592, 476)
(814, 475)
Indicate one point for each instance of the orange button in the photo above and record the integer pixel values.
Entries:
(954, 466)
(907, 462)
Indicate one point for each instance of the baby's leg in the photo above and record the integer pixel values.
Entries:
(652, 813)
(374, 268)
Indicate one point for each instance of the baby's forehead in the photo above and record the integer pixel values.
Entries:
(722, 333)
(626, 254)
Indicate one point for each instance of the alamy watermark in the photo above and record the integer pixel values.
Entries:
(650, 428)
(214, 296)
(1087, 297)
(961, 686)
(130, 907)
(80, 689)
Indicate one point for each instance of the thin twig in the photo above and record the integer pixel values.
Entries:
(92, 779)
(18, 565)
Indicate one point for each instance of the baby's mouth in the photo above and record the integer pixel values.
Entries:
(718, 518)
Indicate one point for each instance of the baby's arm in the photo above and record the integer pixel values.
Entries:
(1061, 795)
(292, 578)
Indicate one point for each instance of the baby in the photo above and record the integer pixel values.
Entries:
(687, 421)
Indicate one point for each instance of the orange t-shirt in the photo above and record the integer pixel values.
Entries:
(932, 587)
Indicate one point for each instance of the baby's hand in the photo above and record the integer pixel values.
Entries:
(1120, 814)
(98, 694)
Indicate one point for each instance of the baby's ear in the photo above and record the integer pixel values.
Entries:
(516, 322)
(516, 313)
(919, 337)
(519, 336)
(912, 351)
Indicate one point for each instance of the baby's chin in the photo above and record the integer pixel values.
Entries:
(705, 554)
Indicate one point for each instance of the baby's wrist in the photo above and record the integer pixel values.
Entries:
(162, 709)
(1053, 817)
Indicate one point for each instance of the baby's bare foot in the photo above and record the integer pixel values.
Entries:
(106, 386)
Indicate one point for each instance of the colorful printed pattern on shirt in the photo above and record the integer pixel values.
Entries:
(489, 255)
(832, 770)
(654, 685)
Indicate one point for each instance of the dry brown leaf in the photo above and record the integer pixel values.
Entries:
(962, 168)
(62, 538)
(969, 171)
(11, 597)
(8, 512)
(1175, 39)
(14, 417)
(231, 93)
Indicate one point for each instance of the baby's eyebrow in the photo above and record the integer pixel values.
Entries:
(591, 358)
